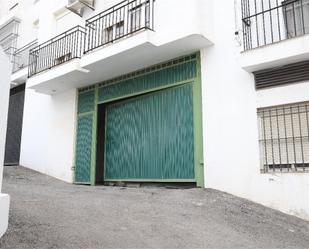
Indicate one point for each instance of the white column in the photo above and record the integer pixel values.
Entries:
(5, 69)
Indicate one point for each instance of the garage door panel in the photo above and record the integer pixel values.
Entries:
(142, 126)
(83, 149)
(148, 79)
(151, 137)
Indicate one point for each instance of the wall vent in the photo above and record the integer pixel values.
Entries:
(288, 74)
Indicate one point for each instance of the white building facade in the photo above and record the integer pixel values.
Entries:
(201, 92)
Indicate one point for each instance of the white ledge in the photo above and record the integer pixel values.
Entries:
(278, 54)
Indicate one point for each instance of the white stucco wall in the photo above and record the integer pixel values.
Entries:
(231, 149)
(5, 69)
(229, 110)
(48, 133)
(27, 12)
(293, 93)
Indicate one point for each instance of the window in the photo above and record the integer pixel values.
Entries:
(108, 34)
(284, 138)
(136, 18)
(296, 15)
(140, 16)
(113, 32)
(119, 29)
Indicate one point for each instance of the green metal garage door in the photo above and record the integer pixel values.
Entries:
(142, 126)
(151, 137)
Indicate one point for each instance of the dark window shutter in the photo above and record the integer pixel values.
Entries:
(288, 74)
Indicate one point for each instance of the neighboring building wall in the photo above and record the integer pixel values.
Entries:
(5, 69)
(6, 5)
(48, 133)
(230, 104)
(26, 11)
(45, 147)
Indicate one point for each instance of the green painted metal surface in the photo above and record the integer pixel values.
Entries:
(86, 101)
(83, 149)
(151, 137)
(150, 80)
(84, 139)
(174, 73)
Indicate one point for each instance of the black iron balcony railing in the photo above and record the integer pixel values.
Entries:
(60, 49)
(20, 58)
(119, 21)
(270, 21)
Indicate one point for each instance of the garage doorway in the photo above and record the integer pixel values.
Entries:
(148, 138)
(14, 126)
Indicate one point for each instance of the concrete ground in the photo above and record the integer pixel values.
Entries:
(47, 213)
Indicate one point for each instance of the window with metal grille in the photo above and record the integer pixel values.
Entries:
(284, 138)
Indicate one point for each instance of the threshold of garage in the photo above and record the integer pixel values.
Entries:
(151, 185)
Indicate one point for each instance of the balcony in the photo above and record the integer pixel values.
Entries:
(118, 22)
(56, 51)
(20, 62)
(274, 32)
(268, 22)
(126, 37)
(21, 56)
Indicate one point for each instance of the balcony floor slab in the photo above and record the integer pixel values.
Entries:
(282, 53)
(20, 76)
(124, 56)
